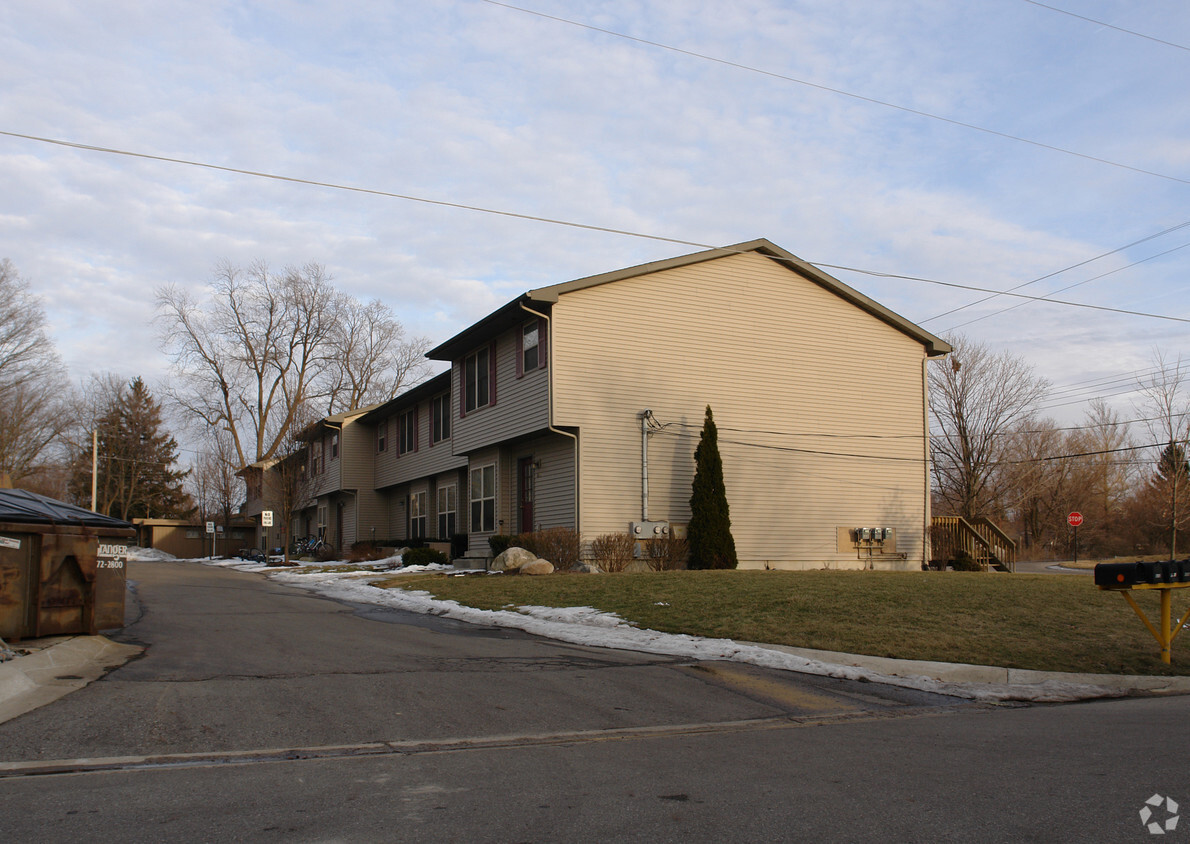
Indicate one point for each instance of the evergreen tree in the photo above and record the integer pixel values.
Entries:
(1171, 483)
(135, 474)
(709, 533)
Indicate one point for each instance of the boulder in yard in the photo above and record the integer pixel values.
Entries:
(586, 568)
(537, 567)
(512, 559)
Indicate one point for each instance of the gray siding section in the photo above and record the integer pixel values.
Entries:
(521, 408)
(429, 458)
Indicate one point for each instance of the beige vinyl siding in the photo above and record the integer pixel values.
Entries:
(522, 404)
(818, 405)
(356, 448)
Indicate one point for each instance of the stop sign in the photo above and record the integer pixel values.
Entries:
(1074, 519)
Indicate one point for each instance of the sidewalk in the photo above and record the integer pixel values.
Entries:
(990, 676)
(53, 667)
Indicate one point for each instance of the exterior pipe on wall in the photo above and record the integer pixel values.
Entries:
(645, 415)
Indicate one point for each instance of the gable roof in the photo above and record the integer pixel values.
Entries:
(515, 311)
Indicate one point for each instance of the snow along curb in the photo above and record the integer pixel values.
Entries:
(587, 626)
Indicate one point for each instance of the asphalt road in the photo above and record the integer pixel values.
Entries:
(261, 712)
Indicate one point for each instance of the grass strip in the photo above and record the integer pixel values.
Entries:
(1041, 622)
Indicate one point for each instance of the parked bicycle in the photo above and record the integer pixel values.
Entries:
(311, 546)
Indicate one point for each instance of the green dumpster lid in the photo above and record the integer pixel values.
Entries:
(22, 506)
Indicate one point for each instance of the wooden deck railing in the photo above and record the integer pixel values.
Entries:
(982, 538)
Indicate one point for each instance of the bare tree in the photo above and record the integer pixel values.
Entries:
(33, 385)
(266, 346)
(1036, 487)
(977, 398)
(215, 486)
(375, 361)
(1166, 409)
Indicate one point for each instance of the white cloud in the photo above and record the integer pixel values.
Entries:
(471, 103)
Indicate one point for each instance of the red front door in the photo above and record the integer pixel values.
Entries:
(525, 473)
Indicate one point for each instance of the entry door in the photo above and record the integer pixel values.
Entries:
(525, 473)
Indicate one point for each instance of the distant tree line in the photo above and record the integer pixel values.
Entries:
(996, 455)
(255, 360)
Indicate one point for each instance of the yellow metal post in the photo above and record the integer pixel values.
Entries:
(1168, 631)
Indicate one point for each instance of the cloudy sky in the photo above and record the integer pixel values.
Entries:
(984, 143)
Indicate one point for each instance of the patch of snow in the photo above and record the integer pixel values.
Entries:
(596, 628)
(149, 554)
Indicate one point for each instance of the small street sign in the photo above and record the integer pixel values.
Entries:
(1074, 519)
(266, 518)
(210, 527)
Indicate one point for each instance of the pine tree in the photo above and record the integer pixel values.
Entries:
(135, 478)
(709, 533)
(1171, 482)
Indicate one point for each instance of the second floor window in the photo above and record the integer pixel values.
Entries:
(477, 377)
(382, 436)
(529, 345)
(407, 432)
(440, 418)
(334, 446)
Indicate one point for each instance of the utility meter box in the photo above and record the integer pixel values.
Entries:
(649, 530)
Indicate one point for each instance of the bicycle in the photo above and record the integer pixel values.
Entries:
(311, 546)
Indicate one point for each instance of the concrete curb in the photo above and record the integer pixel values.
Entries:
(61, 667)
(952, 672)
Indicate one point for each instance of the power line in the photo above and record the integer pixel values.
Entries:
(1072, 286)
(353, 188)
(957, 286)
(840, 91)
(556, 222)
(1169, 230)
(1108, 25)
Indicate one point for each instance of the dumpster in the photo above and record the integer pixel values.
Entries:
(62, 568)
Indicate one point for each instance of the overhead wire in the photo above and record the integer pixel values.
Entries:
(1108, 25)
(833, 90)
(1101, 255)
(557, 222)
(1070, 286)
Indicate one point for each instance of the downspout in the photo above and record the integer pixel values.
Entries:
(550, 362)
(645, 416)
(925, 417)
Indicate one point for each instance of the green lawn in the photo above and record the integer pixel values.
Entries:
(1044, 622)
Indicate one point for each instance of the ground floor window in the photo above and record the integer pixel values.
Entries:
(417, 515)
(448, 505)
(483, 499)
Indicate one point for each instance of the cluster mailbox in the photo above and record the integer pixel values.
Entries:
(1164, 576)
(1133, 575)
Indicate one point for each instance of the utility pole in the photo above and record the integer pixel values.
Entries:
(94, 466)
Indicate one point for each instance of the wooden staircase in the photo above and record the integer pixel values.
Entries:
(982, 538)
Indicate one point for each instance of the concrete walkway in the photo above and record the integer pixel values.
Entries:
(46, 669)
